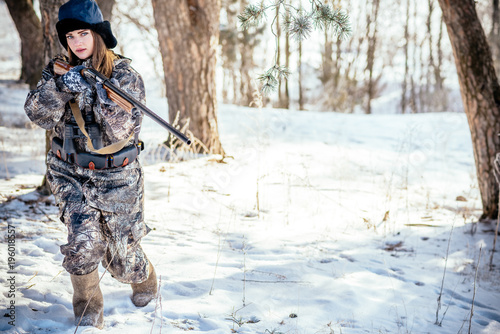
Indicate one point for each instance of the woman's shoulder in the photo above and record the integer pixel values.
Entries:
(123, 65)
(121, 62)
(128, 77)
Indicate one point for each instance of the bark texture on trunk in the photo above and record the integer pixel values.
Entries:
(371, 36)
(188, 33)
(50, 11)
(494, 35)
(30, 32)
(480, 93)
(106, 7)
(50, 15)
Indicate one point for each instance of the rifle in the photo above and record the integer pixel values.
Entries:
(119, 97)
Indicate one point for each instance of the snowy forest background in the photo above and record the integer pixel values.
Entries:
(404, 57)
(321, 219)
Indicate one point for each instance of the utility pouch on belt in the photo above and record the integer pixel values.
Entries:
(111, 156)
(121, 158)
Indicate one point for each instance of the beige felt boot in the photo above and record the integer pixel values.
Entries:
(86, 293)
(143, 293)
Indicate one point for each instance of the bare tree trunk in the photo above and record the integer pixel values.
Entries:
(495, 27)
(236, 98)
(247, 43)
(49, 10)
(435, 96)
(106, 7)
(434, 65)
(225, 85)
(188, 32)
(494, 37)
(425, 82)
(354, 90)
(228, 40)
(336, 62)
(278, 55)
(480, 93)
(286, 98)
(416, 49)
(301, 90)
(372, 44)
(413, 94)
(437, 70)
(427, 100)
(327, 60)
(404, 103)
(246, 55)
(30, 31)
(245, 63)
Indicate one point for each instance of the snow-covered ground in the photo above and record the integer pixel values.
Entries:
(317, 223)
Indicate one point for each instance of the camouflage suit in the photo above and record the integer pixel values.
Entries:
(102, 209)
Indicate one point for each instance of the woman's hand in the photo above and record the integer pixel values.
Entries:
(74, 81)
(103, 95)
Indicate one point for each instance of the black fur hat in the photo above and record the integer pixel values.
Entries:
(83, 14)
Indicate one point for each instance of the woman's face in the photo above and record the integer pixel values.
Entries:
(81, 42)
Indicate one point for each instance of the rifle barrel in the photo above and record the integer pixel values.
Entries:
(107, 83)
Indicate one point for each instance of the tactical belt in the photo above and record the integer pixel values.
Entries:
(91, 161)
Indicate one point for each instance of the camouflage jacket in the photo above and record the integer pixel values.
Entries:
(47, 106)
(117, 190)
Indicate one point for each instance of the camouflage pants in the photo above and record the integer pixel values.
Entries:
(103, 211)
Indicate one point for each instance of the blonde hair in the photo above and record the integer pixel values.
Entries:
(102, 57)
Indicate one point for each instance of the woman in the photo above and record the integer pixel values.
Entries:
(98, 189)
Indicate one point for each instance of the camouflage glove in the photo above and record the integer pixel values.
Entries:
(103, 95)
(74, 81)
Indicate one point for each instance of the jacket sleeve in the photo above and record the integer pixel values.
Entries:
(118, 123)
(44, 105)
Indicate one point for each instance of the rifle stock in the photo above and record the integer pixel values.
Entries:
(118, 96)
(61, 67)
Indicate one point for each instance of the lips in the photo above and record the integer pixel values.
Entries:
(80, 50)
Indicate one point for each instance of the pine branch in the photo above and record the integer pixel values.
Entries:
(299, 24)
(341, 24)
(271, 77)
(252, 16)
(300, 28)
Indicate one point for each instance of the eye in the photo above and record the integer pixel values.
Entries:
(84, 33)
(69, 37)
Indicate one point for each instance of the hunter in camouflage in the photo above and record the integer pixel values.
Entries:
(103, 209)
(99, 188)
